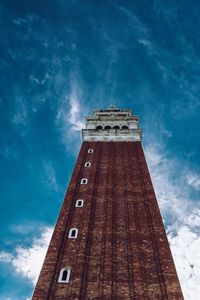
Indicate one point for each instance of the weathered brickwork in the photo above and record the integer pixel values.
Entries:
(121, 251)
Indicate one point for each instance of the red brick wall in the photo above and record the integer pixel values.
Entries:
(121, 251)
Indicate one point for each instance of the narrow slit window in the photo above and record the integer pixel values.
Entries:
(88, 164)
(64, 275)
(90, 151)
(73, 233)
(84, 181)
(79, 203)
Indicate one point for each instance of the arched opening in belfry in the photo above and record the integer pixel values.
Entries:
(116, 127)
(107, 127)
(99, 127)
(124, 127)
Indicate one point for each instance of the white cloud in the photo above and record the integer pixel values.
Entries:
(193, 219)
(185, 249)
(28, 261)
(182, 215)
(172, 196)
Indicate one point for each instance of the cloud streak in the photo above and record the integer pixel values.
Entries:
(74, 115)
(50, 176)
(72, 122)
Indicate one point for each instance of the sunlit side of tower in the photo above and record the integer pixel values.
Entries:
(109, 241)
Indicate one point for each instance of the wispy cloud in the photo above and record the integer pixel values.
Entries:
(148, 45)
(72, 122)
(168, 12)
(5, 257)
(20, 112)
(74, 115)
(28, 18)
(28, 261)
(49, 178)
(194, 180)
(134, 21)
(36, 80)
(176, 65)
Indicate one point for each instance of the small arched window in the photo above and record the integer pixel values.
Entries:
(116, 127)
(84, 181)
(107, 127)
(73, 233)
(79, 203)
(90, 150)
(64, 275)
(124, 127)
(99, 127)
(88, 164)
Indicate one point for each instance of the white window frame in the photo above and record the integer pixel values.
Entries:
(84, 181)
(79, 201)
(87, 164)
(70, 233)
(60, 280)
(90, 150)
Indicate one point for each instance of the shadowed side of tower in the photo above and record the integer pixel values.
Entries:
(109, 241)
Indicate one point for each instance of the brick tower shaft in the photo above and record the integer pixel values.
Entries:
(109, 241)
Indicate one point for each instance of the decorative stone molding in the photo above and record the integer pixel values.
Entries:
(112, 124)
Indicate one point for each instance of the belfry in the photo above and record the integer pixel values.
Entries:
(109, 241)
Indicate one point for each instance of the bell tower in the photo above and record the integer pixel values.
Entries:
(109, 241)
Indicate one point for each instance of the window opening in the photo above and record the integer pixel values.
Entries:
(79, 203)
(84, 181)
(64, 275)
(87, 164)
(124, 127)
(73, 233)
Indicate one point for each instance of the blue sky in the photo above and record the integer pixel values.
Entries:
(59, 61)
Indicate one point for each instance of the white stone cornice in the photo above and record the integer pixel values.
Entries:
(111, 139)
